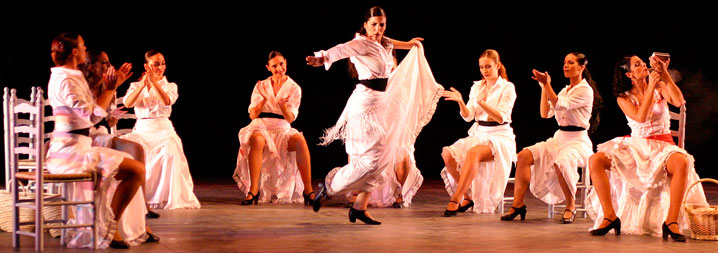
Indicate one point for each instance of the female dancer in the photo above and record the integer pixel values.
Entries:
(549, 168)
(647, 167)
(98, 72)
(374, 122)
(482, 161)
(169, 184)
(274, 106)
(71, 151)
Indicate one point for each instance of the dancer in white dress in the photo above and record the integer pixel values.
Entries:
(71, 151)
(98, 72)
(377, 126)
(549, 168)
(169, 183)
(649, 173)
(477, 167)
(273, 162)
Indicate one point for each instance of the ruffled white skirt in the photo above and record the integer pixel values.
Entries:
(640, 185)
(71, 153)
(168, 181)
(568, 150)
(487, 189)
(379, 128)
(280, 180)
(386, 195)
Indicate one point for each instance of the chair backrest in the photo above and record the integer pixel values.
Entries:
(681, 132)
(24, 129)
(124, 120)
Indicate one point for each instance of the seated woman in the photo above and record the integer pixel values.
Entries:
(169, 183)
(478, 166)
(549, 167)
(649, 173)
(99, 73)
(270, 148)
(71, 151)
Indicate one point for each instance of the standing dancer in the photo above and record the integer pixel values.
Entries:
(70, 151)
(274, 106)
(169, 183)
(376, 126)
(549, 168)
(649, 173)
(481, 162)
(99, 73)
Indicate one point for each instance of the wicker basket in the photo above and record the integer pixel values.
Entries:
(704, 220)
(26, 215)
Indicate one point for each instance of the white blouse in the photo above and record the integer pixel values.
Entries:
(72, 101)
(371, 59)
(658, 122)
(289, 89)
(501, 96)
(574, 106)
(151, 106)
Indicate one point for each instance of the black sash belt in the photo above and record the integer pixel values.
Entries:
(84, 131)
(270, 115)
(571, 128)
(491, 123)
(375, 84)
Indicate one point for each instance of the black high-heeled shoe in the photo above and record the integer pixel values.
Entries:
(449, 213)
(152, 215)
(308, 200)
(568, 220)
(615, 225)
(318, 197)
(152, 237)
(517, 211)
(675, 236)
(355, 214)
(254, 200)
(466, 207)
(119, 245)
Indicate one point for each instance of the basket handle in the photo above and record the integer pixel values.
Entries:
(685, 195)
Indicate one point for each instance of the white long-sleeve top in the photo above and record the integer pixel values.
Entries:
(72, 101)
(501, 96)
(573, 106)
(151, 106)
(289, 89)
(371, 59)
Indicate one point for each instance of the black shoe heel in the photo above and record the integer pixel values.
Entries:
(675, 236)
(317, 203)
(355, 214)
(449, 213)
(615, 225)
(463, 209)
(308, 201)
(517, 211)
(254, 200)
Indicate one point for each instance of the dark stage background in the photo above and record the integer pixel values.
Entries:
(216, 53)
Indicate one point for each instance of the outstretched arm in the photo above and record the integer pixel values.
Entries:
(407, 44)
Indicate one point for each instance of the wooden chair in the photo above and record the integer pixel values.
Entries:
(118, 130)
(24, 124)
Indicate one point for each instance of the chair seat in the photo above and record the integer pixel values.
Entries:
(48, 176)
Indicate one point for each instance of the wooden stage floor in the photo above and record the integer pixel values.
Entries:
(221, 225)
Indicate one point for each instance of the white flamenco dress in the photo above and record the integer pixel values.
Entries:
(640, 184)
(168, 181)
(74, 108)
(487, 188)
(280, 180)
